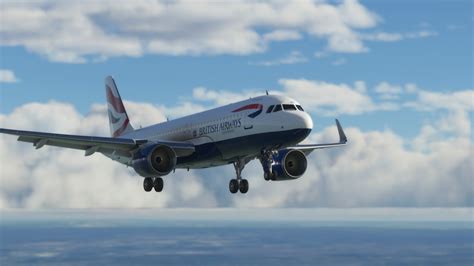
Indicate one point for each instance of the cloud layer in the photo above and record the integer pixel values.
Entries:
(76, 32)
(377, 168)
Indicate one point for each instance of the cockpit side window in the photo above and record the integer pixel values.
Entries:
(289, 107)
(270, 108)
(300, 108)
(277, 108)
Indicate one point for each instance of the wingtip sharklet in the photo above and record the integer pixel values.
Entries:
(342, 135)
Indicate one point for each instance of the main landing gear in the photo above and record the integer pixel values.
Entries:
(239, 184)
(149, 183)
(266, 159)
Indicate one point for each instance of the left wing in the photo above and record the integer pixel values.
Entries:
(308, 148)
(91, 144)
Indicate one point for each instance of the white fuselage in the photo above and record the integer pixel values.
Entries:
(236, 130)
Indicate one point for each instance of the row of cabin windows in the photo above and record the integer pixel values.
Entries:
(286, 107)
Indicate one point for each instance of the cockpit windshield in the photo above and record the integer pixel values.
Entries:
(286, 107)
(289, 107)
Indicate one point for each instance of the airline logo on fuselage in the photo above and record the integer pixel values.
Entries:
(218, 127)
(256, 106)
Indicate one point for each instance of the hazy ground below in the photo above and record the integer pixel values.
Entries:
(238, 236)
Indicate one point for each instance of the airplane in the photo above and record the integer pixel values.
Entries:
(268, 128)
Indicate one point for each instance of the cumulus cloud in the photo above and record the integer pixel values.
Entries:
(323, 98)
(388, 91)
(377, 168)
(221, 97)
(328, 98)
(332, 99)
(63, 178)
(8, 76)
(457, 100)
(76, 32)
(282, 35)
(294, 57)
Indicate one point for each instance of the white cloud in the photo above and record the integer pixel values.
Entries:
(282, 35)
(221, 97)
(388, 91)
(328, 98)
(77, 32)
(64, 178)
(320, 97)
(8, 76)
(294, 57)
(457, 100)
(376, 168)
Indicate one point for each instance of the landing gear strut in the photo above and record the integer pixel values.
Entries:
(266, 159)
(239, 184)
(150, 183)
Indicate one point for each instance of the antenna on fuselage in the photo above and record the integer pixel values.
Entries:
(266, 91)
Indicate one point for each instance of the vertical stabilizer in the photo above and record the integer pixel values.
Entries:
(118, 118)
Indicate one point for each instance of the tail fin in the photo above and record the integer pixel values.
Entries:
(118, 118)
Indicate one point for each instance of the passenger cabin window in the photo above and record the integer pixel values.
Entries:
(289, 107)
(300, 108)
(277, 108)
(270, 108)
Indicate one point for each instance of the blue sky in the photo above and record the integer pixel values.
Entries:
(398, 70)
(440, 62)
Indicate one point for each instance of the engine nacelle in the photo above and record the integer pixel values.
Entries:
(288, 165)
(154, 160)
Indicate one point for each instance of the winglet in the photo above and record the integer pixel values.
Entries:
(342, 135)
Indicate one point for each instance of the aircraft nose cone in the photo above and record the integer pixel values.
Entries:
(308, 122)
(303, 120)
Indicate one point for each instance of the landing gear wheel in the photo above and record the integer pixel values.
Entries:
(244, 186)
(268, 176)
(158, 184)
(233, 186)
(148, 184)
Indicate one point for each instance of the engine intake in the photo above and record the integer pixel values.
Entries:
(154, 160)
(288, 165)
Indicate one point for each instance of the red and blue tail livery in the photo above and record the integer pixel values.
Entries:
(118, 119)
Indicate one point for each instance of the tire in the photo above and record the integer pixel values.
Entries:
(148, 184)
(266, 176)
(233, 186)
(158, 184)
(244, 186)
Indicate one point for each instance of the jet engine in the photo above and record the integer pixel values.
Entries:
(288, 165)
(285, 164)
(154, 160)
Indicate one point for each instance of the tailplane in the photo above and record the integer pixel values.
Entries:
(118, 118)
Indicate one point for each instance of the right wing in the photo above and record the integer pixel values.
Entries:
(90, 144)
(308, 148)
